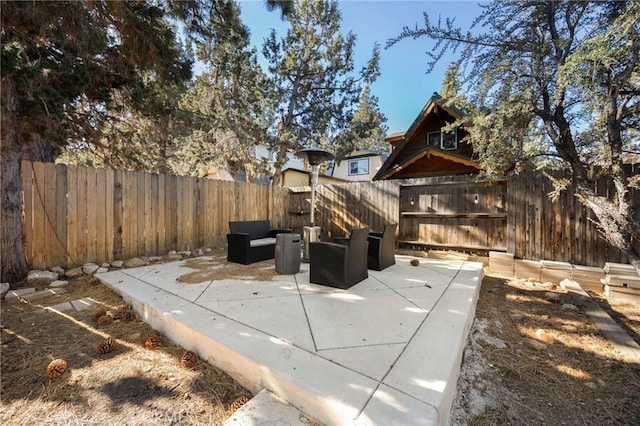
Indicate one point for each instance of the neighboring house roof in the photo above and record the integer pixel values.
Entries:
(399, 160)
(362, 154)
(321, 177)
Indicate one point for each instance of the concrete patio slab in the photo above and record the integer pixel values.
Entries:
(387, 351)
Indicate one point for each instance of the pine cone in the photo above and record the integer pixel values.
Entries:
(189, 359)
(93, 281)
(414, 262)
(237, 404)
(100, 312)
(106, 346)
(153, 341)
(124, 313)
(56, 368)
(105, 319)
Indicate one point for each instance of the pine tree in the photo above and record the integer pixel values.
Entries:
(542, 73)
(58, 55)
(228, 99)
(365, 129)
(313, 79)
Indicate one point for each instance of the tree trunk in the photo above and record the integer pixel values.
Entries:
(614, 221)
(14, 264)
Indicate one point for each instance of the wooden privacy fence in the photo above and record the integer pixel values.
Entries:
(512, 214)
(562, 229)
(74, 215)
(342, 207)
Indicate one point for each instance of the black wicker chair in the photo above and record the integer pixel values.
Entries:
(381, 252)
(339, 265)
(251, 241)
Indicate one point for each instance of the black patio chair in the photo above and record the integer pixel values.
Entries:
(339, 265)
(382, 245)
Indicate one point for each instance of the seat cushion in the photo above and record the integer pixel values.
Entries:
(262, 242)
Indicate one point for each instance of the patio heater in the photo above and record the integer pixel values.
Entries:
(315, 157)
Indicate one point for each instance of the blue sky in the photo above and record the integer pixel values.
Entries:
(403, 87)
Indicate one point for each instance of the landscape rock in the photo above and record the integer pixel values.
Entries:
(59, 283)
(535, 344)
(102, 270)
(570, 306)
(37, 275)
(105, 265)
(552, 297)
(4, 287)
(15, 294)
(154, 258)
(517, 317)
(199, 252)
(58, 270)
(74, 273)
(208, 250)
(566, 283)
(184, 253)
(172, 257)
(89, 268)
(37, 295)
(171, 253)
(134, 263)
(117, 263)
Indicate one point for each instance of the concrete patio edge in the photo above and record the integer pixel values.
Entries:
(422, 380)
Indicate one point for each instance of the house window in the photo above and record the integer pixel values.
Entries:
(359, 167)
(433, 139)
(450, 140)
(447, 140)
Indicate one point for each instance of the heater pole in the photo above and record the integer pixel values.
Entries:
(314, 182)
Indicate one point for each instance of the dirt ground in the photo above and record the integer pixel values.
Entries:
(132, 385)
(532, 361)
(528, 361)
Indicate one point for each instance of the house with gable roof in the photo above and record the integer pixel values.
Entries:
(426, 150)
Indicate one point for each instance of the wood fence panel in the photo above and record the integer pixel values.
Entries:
(92, 203)
(163, 247)
(198, 216)
(207, 210)
(109, 225)
(342, 207)
(118, 208)
(39, 217)
(100, 247)
(188, 206)
(130, 214)
(147, 216)
(154, 210)
(181, 220)
(61, 215)
(74, 214)
(454, 211)
(26, 176)
(141, 225)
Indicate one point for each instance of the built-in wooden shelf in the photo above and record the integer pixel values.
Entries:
(430, 215)
(449, 246)
(500, 181)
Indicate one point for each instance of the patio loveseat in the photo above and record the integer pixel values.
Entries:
(251, 241)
